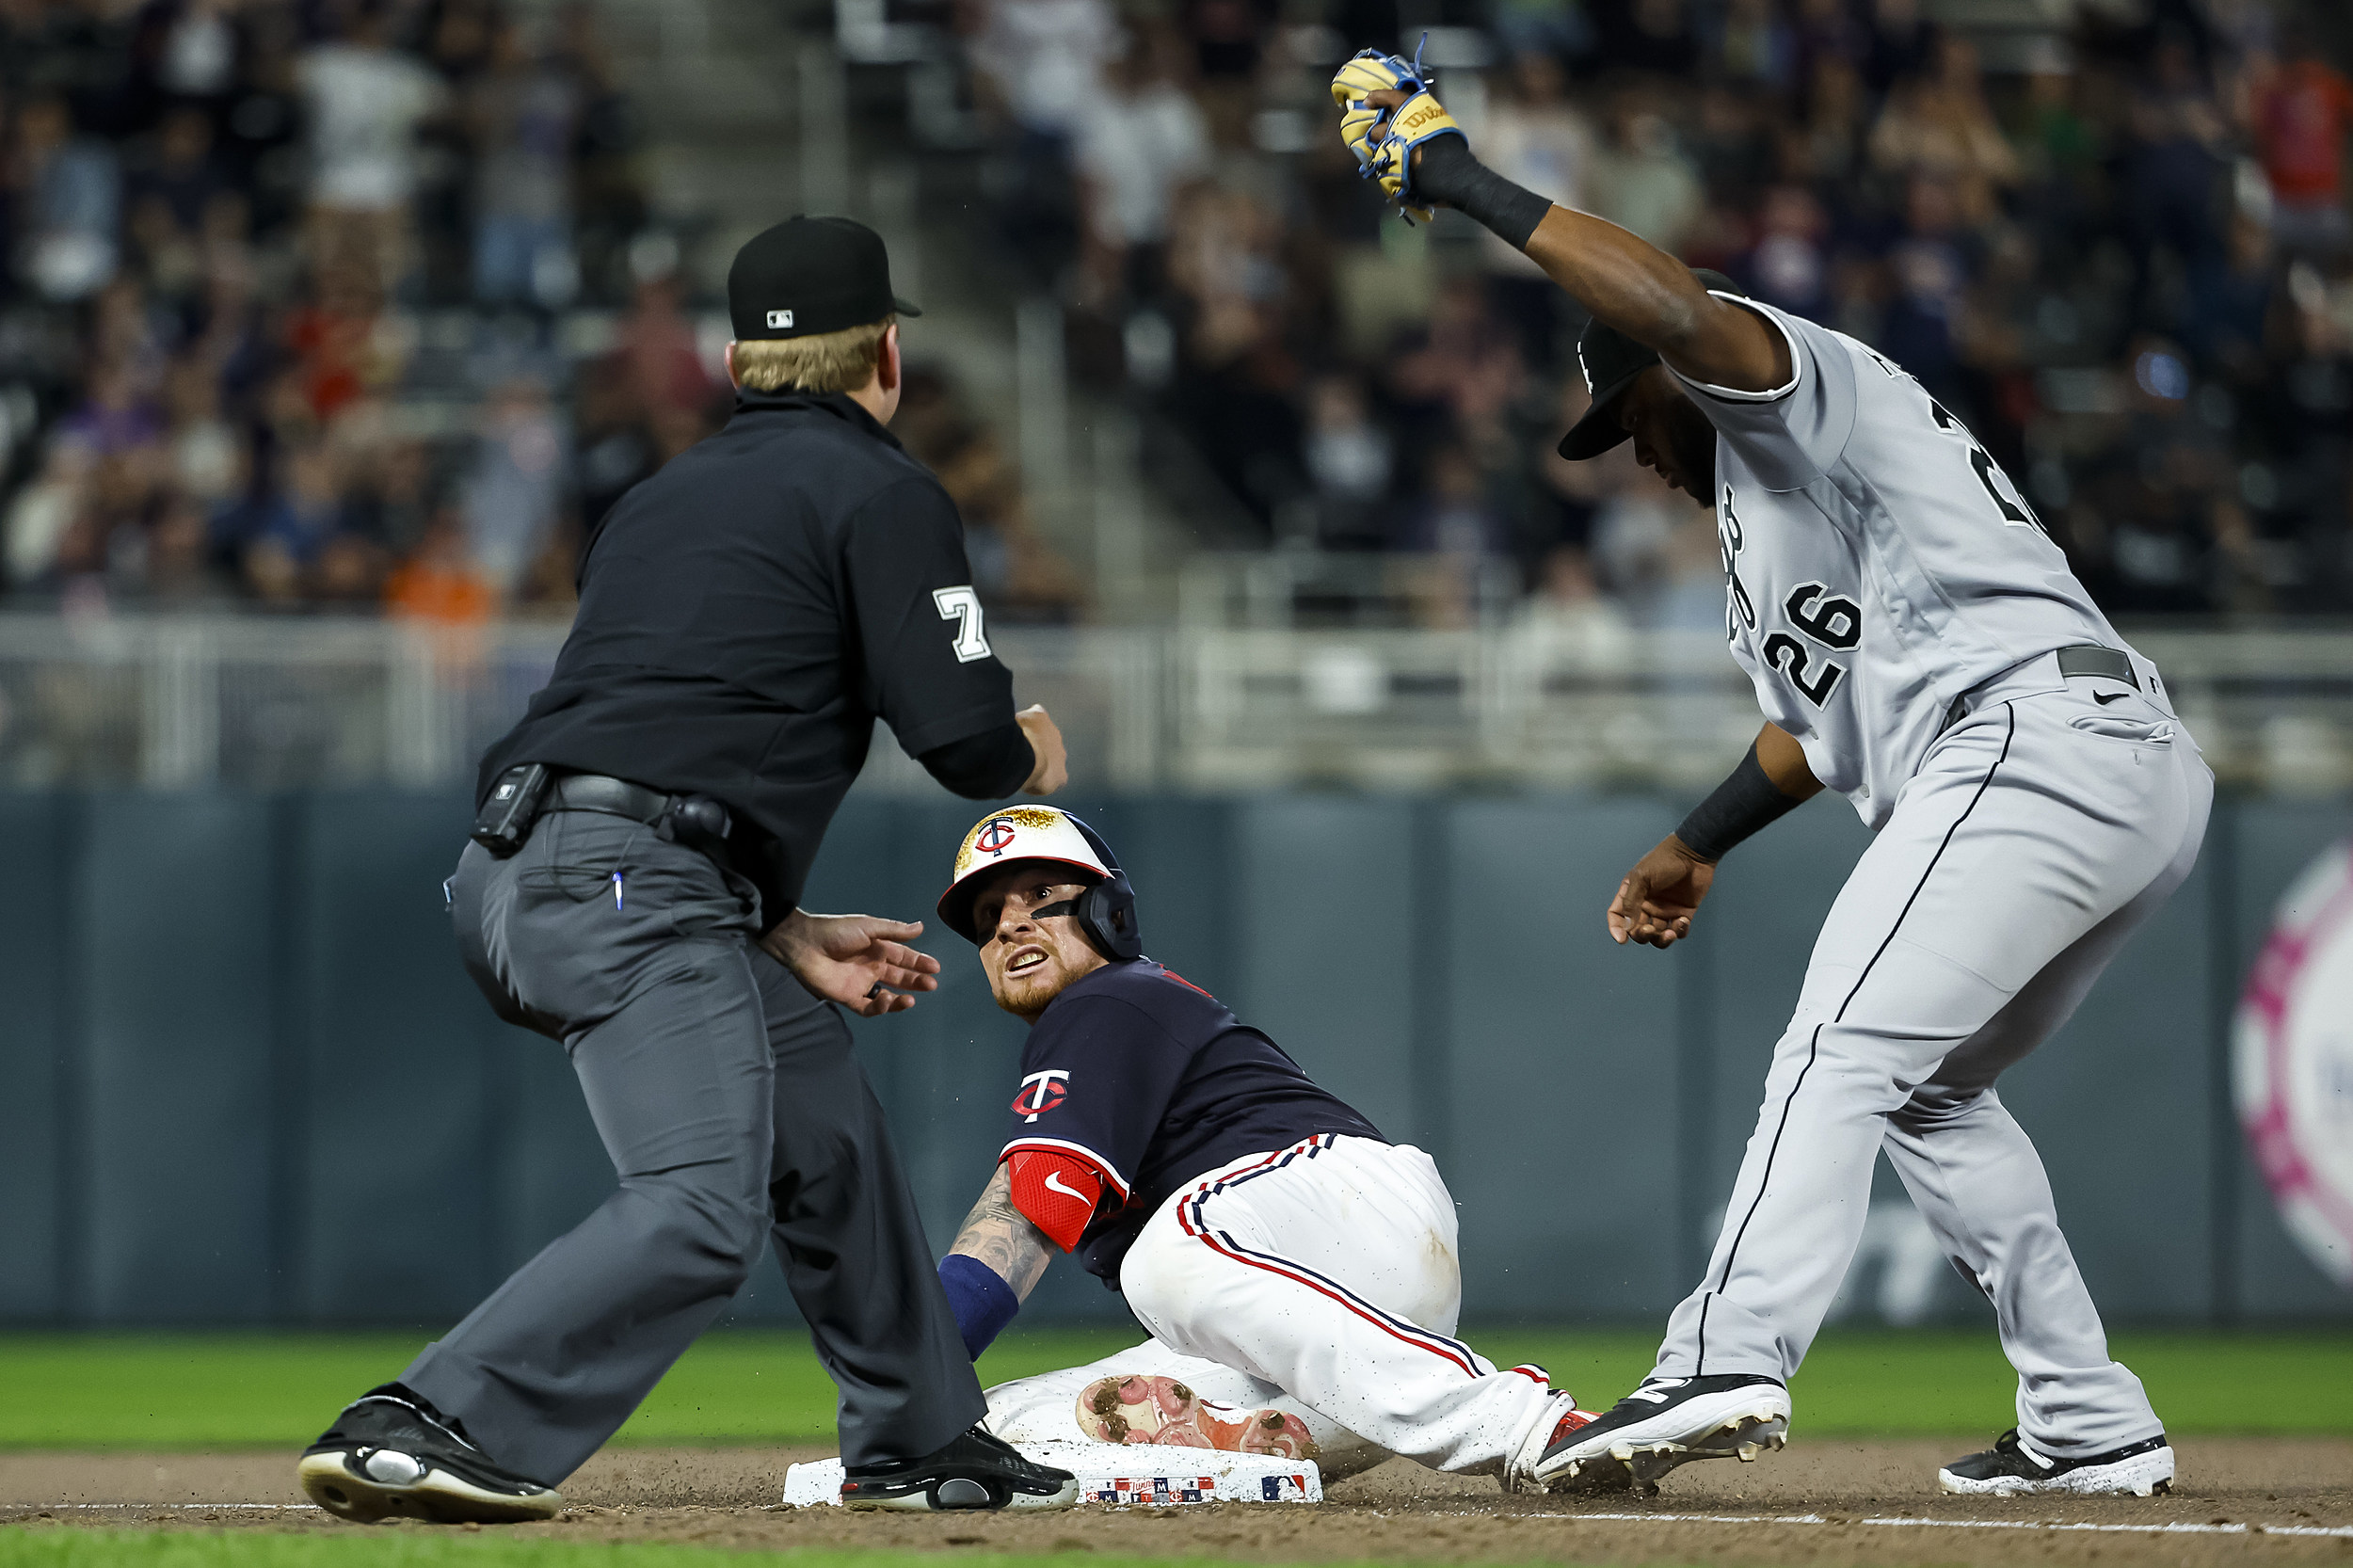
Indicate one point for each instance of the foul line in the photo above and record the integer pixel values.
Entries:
(2340, 1531)
(51, 1508)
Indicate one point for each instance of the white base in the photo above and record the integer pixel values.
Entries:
(1125, 1477)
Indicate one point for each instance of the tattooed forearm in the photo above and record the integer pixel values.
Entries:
(1003, 1236)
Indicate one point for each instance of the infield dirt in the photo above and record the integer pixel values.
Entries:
(1856, 1494)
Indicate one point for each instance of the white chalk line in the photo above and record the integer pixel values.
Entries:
(51, 1507)
(1900, 1521)
(1882, 1522)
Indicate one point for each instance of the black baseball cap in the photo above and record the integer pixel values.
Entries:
(1611, 361)
(810, 275)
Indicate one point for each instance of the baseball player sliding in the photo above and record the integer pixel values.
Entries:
(1918, 644)
(1295, 1269)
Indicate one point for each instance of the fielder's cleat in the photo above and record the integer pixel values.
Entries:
(389, 1456)
(1668, 1422)
(1164, 1411)
(976, 1471)
(2011, 1469)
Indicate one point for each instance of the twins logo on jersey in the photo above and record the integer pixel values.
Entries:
(1041, 1093)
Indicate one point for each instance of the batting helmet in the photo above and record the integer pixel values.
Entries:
(1106, 912)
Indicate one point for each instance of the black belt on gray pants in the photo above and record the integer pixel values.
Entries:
(2084, 659)
(614, 797)
(696, 821)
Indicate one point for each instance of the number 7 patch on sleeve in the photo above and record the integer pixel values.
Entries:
(963, 606)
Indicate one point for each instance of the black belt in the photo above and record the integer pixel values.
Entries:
(2084, 659)
(614, 797)
(697, 822)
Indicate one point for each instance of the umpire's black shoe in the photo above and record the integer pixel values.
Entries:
(976, 1471)
(389, 1456)
(2011, 1469)
(1667, 1422)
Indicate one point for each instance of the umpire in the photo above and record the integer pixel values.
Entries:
(633, 892)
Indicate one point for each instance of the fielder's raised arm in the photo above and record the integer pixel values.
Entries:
(1403, 136)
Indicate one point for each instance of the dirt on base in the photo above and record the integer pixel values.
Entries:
(1856, 1495)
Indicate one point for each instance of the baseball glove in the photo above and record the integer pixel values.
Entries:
(1384, 139)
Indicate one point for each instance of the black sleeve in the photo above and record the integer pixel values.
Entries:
(1746, 802)
(1448, 173)
(929, 671)
(987, 766)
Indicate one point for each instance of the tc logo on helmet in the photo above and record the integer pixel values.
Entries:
(1041, 1093)
(996, 837)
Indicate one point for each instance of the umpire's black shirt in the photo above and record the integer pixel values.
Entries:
(746, 614)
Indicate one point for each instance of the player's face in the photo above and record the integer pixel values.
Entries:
(1030, 958)
(1671, 436)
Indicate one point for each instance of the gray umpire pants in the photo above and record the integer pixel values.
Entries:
(2041, 831)
(733, 1110)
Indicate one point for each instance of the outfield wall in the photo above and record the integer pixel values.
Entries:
(243, 1081)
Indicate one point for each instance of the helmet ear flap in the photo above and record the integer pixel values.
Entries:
(1107, 911)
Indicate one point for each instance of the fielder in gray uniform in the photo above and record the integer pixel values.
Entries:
(1919, 645)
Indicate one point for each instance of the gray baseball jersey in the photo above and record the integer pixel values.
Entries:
(1880, 566)
(1878, 562)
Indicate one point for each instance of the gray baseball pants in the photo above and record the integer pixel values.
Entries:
(2038, 834)
(733, 1110)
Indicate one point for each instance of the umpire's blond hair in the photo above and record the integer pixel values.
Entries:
(822, 362)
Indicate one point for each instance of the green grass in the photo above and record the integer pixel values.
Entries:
(210, 1391)
(403, 1549)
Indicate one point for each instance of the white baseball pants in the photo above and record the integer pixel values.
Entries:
(2038, 834)
(1321, 1279)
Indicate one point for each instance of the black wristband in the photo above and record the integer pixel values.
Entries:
(1446, 171)
(1742, 803)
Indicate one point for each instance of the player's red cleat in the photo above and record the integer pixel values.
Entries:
(1561, 1418)
(1162, 1410)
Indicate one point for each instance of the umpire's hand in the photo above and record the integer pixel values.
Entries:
(852, 958)
(1053, 763)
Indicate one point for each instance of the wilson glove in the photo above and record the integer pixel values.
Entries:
(1384, 139)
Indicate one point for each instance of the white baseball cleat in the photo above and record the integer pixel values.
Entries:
(1664, 1423)
(2014, 1468)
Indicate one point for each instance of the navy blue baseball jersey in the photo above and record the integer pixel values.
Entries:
(1153, 1081)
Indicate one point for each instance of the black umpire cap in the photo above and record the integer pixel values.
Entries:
(1612, 360)
(810, 275)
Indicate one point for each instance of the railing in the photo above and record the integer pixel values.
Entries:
(174, 703)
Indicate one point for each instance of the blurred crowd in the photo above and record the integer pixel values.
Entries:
(2120, 250)
(279, 284)
(359, 305)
